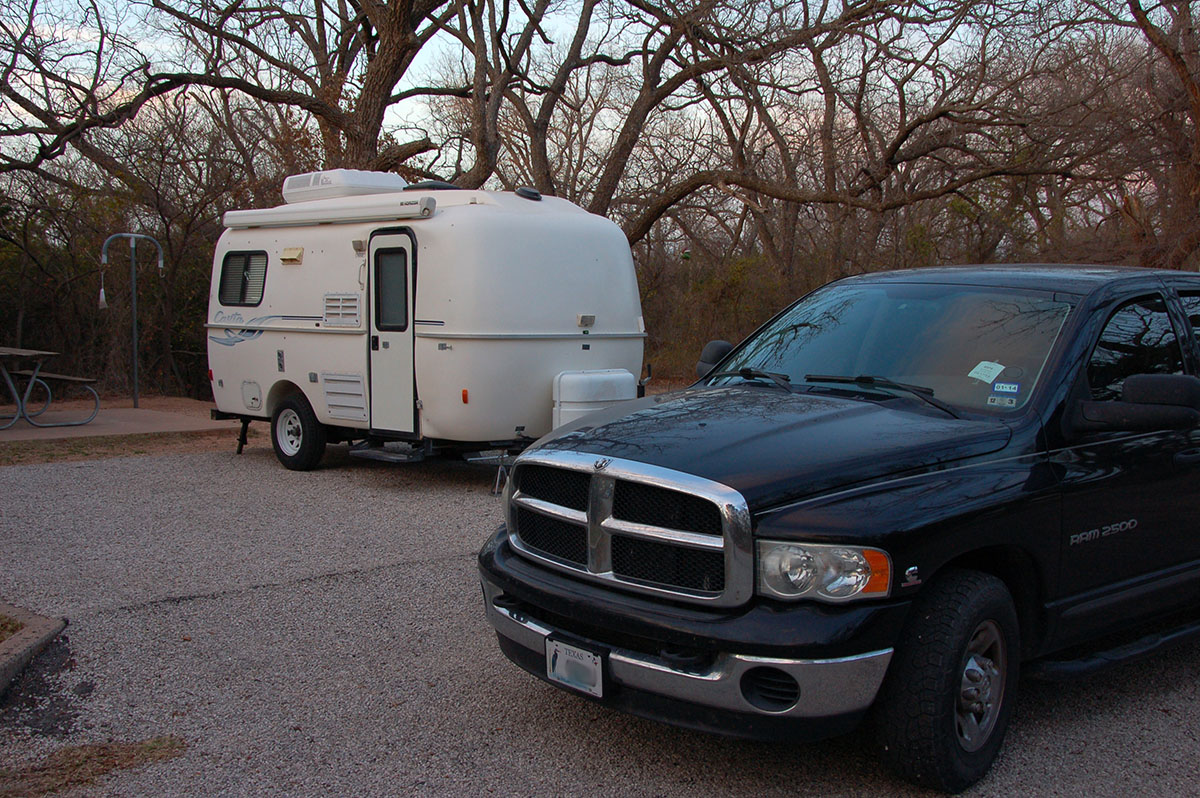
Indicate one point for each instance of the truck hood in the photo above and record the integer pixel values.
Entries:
(774, 446)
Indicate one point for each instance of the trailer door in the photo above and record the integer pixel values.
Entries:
(391, 341)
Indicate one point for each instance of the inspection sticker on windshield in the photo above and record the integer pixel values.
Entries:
(986, 371)
(1002, 401)
(575, 667)
(1006, 387)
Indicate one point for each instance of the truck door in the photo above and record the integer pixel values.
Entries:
(391, 284)
(1130, 499)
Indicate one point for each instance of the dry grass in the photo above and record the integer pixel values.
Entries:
(85, 447)
(9, 627)
(657, 386)
(81, 765)
(99, 447)
(63, 450)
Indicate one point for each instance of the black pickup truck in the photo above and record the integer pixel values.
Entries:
(879, 505)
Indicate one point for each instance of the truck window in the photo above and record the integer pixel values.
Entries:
(977, 348)
(243, 275)
(1191, 306)
(1138, 339)
(391, 289)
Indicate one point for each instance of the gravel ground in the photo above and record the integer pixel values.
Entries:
(322, 634)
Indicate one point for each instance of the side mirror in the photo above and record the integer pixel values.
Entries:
(1130, 417)
(1148, 402)
(1179, 390)
(712, 354)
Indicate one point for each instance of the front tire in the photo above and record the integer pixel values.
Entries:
(296, 435)
(948, 696)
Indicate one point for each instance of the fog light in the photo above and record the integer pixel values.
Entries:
(770, 689)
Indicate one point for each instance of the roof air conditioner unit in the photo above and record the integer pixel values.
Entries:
(339, 183)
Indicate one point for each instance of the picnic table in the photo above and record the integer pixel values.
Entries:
(24, 366)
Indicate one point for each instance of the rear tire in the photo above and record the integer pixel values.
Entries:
(296, 435)
(949, 693)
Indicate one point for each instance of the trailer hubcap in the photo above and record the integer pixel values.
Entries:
(981, 690)
(289, 433)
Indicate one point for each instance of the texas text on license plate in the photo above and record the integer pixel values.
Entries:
(575, 667)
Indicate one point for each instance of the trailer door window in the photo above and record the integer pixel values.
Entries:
(391, 289)
(243, 275)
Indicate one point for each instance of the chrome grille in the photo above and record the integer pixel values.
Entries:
(647, 504)
(664, 564)
(643, 528)
(553, 537)
(555, 485)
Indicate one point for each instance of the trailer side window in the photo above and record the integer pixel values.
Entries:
(243, 275)
(391, 289)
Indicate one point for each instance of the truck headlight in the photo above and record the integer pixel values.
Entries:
(820, 571)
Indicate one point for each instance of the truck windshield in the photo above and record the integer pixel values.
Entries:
(972, 347)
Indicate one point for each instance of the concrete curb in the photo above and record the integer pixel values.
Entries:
(17, 651)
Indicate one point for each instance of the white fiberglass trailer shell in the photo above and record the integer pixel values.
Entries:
(436, 316)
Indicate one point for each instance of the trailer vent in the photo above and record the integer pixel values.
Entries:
(341, 310)
(345, 396)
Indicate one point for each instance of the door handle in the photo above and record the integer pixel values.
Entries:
(375, 343)
(1189, 457)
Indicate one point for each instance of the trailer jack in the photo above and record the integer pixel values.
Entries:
(242, 435)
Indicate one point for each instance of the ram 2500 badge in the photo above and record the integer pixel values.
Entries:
(877, 506)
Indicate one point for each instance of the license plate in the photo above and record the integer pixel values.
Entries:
(575, 667)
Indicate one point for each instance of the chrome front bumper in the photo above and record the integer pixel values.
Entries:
(828, 687)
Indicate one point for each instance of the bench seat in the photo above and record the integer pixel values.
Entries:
(46, 375)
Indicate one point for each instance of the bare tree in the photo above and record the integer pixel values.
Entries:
(1157, 195)
(748, 149)
(66, 70)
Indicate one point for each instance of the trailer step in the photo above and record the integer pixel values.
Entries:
(388, 455)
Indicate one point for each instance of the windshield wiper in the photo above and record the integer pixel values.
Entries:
(919, 391)
(782, 380)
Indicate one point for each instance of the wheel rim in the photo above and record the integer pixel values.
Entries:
(289, 433)
(981, 690)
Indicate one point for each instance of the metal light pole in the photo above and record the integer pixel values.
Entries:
(133, 239)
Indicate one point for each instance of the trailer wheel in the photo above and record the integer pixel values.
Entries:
(296, 435)
(945, 704)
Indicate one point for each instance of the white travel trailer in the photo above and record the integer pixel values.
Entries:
(366, 309)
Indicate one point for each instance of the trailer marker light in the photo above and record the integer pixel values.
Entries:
(210, 375)
(464, 396)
